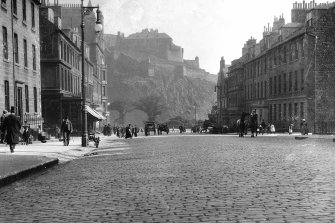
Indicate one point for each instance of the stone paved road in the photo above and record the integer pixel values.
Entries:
(184, 179)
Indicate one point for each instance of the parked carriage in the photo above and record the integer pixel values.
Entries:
(162, 128)
(149, 127)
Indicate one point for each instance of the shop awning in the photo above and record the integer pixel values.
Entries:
(95, 113)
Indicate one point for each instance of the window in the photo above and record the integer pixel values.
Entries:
(279, 112)
(26, 94)
(290, 52)
(61, 50)
(284, 112)
(258, 94)
(7, 95)
(62, 79)
(35, 99)
(16, 48)
(302, 110)
(284, 56)
(284, 83)
(265, 88)
(103, 90)
(5, 42)
(290, 82)
(262, 90)
(296, 52)
(279, 84)
(270, 113)
(274, 112)
(24, 10)
(25, 52)
(33, 15)
(14, 7)
(290, 111)
(296, 80)
(104, 75)
(302, 79)
(270, 87)
(295, 109)
(34, 57)
(275, 85)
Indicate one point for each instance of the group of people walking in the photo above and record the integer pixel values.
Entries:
(126, 132)
(252, 122)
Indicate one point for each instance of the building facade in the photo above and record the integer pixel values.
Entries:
(20, 75)
(61, 63)
(289, 74)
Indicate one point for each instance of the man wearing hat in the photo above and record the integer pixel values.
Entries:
(12, 127)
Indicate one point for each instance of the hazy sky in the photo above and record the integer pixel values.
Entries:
(205, 28)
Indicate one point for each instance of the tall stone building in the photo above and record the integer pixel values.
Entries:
(20, 83)
(289, 74)
(61, 66)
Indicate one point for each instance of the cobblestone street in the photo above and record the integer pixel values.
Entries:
(198, 178)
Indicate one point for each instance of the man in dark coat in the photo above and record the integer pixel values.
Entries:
(12, 126)
(66, 130)
(128, 131)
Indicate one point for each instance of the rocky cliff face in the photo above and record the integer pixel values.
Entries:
(178, 94)
(143, 64)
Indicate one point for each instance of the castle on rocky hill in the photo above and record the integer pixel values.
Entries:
(151, 53)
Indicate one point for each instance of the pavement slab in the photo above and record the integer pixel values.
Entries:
(15, 167)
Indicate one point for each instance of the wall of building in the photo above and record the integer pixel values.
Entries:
(291, 78)
(20, 74)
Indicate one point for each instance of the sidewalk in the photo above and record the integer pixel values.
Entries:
(38, 156)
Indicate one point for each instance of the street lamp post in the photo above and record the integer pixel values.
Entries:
(98, 28)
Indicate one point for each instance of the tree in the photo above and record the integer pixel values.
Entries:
(122, 107)
(150, 105)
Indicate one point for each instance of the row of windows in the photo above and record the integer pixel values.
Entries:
(24, 10)
(258, 90)
(16, 49)
(69, 55)
(281, 55)
(19, 96)
(287, 111)
(279, 84)
(69, 82)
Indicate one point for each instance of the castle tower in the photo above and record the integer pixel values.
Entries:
(222, 64)
(197, 62)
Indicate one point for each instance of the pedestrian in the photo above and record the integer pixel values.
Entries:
(272, 128)
(253, 123)
(303, 127)
(290, 129)
(26, 135)
(128, 131)
(118, 131)
(57, 132)
(134, 131)
(2, 132)
(12, 126)
(263, 124)
(66, 129)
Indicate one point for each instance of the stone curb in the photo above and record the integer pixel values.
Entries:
(27, 172)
